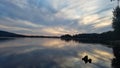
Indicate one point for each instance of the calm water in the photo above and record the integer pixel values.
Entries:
(52, 53)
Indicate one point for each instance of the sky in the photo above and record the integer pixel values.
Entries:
(56, 17)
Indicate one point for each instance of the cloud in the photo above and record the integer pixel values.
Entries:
(44, 16)
(18, 23)
(59, 30)
(90, 19)
(103, 24)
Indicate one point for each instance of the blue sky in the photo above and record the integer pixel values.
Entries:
(56, 17)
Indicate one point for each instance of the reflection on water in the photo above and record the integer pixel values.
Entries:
(116, 60)
(52, 53)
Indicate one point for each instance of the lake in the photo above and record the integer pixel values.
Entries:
(52, 53)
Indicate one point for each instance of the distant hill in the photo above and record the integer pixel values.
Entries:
(9, 34)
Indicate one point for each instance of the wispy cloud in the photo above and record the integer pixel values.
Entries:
(55, 17)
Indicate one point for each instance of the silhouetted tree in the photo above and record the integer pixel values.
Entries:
(116, 60)
(116, 20)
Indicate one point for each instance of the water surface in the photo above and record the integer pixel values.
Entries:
(52, 53)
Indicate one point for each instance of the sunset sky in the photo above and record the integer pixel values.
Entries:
(56, 17)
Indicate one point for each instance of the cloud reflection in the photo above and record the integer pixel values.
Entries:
(49, 53)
